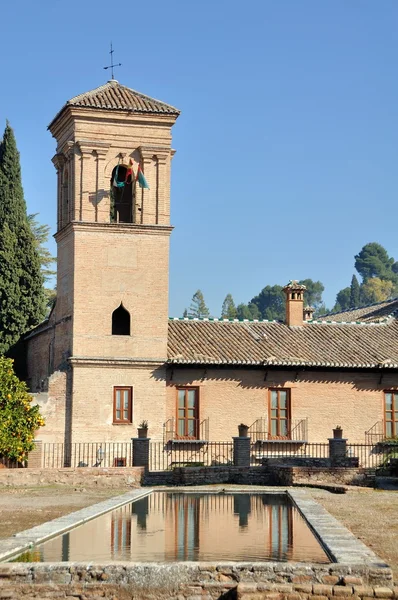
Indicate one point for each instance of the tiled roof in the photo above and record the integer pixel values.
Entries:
(115, 96)
(372, 313)
(316, 344)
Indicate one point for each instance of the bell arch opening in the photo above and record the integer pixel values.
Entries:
(122, 195)
(120, 321)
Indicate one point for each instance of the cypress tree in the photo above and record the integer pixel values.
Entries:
(22, 303)
(354, 292)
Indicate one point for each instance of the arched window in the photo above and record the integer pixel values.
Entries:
(121, 321)
(122, 195)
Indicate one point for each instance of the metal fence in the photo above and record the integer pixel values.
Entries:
(165, 456)
(287, 451)
(373, 456)
(87, 454)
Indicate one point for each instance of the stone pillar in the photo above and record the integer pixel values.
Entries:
(141, 452)
(35, 457)
(337, 451)
(241, 451)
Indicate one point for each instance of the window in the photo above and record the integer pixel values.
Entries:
(391, 414)
(122, 405)
(121, 532)
(121, 321)
(188, 413)
(279, 414)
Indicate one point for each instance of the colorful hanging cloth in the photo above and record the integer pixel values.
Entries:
(141, 178)
(116, 182)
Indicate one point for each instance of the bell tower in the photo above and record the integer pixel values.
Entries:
(113, 163)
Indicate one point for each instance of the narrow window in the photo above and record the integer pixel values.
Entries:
(122, 195)
(188, 413)
(279, 414)
(121, 321)
(391, 414)
(122, 405)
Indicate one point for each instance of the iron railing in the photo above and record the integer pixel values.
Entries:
(199, 430)
(373, 456)
(375, 434)
(296, 430)
(286, 452)
(189, 453)
(87, 454)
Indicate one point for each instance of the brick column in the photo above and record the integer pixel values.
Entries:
(35, 457)
(241, 451)
(337, 451)
(141, 452)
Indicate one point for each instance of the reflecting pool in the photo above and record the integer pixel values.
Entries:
(163, 527)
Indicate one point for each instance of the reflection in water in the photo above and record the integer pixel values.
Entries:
(242, 507)
(191, 526)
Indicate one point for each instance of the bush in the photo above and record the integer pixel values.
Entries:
(19, 420)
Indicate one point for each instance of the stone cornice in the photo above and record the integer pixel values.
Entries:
(104, 116)
(110, 361)
(124, 228)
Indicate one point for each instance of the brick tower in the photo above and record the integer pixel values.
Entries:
(110, 321)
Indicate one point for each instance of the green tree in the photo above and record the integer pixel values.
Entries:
(18, 418)
(22, 301)
(355, 293)
(313, 293)
(373, 261)
(343, 300)
(47, 260)
(247, 311)
(270, 302)
(376, 290)
(228, 310)
(198, 306)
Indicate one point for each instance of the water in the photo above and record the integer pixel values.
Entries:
(165, 527)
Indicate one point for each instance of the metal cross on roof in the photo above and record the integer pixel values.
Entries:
(112, 65)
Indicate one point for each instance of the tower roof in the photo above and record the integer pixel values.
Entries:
(115, 96)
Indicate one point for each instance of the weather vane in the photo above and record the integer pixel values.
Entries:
(112, 65)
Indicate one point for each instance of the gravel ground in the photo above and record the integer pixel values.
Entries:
(372, 515)
(25, 507)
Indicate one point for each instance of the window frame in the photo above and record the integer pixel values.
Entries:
(278, 419)
(394, 409)
(186, 436)
(129, 419)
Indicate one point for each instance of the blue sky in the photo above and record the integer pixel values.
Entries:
(286, 159)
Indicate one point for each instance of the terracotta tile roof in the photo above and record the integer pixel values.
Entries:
(316, 344)
(115, 96)
(372, 313)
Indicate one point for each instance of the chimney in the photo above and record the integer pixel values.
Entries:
(294, 303)
(309, 313)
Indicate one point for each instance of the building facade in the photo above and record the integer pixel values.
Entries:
(108, 357)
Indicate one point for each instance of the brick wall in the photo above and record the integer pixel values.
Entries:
(228, 397)
(87, 476)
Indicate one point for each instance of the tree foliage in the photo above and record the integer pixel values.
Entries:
(313, 293)
(228, 310)
(373, 261)
(270, 302)
(355, 293)
(41, 233)
(18, 418)
(376, 290)
(379, 273)
(198, 306)
(22, 301)
(343, 299)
